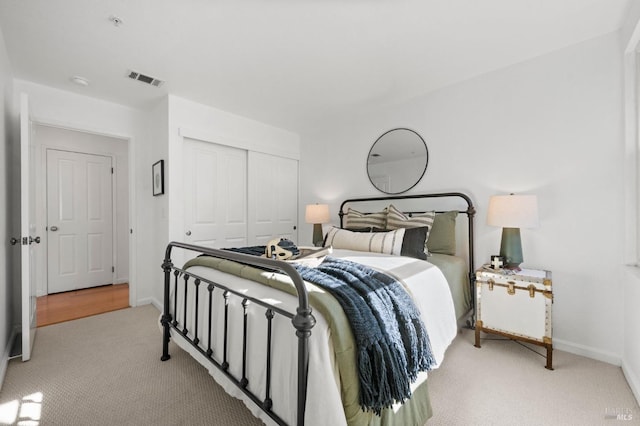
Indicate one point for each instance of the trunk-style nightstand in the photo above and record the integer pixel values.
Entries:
(516, 305)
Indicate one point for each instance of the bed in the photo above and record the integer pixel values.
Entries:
(283, 346)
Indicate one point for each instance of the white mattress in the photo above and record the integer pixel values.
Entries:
(424, 281)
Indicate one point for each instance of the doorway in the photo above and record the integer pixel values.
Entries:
(74, 164)
(71, 305)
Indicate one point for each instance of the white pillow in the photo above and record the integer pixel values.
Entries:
(375, 242)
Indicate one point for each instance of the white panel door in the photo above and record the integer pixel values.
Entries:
(79, 221)
(215, 194)
(273, 198)
(27, 231)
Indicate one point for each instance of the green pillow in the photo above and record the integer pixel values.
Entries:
(442, 238)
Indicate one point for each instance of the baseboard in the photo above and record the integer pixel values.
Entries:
(150, 301)
(632, 379)
(587, 351)
(4, 361)
(155, 302)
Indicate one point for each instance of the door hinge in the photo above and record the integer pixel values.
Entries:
(112, 170)
(113, 269)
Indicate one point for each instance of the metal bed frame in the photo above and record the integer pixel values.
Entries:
(303, 321)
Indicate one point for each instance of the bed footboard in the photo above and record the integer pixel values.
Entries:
(187, 283)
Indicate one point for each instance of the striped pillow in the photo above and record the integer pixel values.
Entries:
(375, 242)
(396, 220)
(355, 219)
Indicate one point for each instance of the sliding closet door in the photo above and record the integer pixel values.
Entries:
(215, 194)
(273, 198)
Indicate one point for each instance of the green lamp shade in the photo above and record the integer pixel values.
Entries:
(511, 248)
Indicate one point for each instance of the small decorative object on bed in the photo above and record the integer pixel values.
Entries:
(249, 319)
(281, 249)
(157, 172)
(397, 161)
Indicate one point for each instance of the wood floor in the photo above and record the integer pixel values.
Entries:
(71, 305)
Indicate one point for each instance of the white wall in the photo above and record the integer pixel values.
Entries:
(551, 126)
(71, 111)
(8, 254)
(158, 207)
(48, 137)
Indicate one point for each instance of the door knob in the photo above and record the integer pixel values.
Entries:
(53, 228)
(188, 233)
(13, 241)
(34, 240)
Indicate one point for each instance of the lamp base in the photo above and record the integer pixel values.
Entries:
(317, 235)
(511, 248)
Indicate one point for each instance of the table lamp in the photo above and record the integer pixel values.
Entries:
(317, 214)
(512, 212)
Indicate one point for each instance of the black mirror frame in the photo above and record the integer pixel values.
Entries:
(426, 148)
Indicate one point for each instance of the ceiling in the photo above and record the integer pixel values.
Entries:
(287, 62)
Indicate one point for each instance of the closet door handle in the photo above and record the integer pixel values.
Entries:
(53, 228)
(188, 233)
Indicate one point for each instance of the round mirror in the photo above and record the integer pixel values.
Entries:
(397, 161)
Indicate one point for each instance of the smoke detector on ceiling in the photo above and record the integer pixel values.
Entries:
(116, 20)
(135, 75)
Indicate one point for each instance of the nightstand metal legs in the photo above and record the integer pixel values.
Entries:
(546, 341)
(478, 329)
(549, 345)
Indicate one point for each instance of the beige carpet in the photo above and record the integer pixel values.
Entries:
(106, 370)
(505, 383)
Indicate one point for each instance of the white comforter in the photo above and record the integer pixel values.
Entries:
(425, 282)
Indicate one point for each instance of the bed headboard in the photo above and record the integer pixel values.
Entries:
(420, 203)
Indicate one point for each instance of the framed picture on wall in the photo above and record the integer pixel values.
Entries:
(158, 178)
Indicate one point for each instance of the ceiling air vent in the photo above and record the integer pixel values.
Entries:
(135, 75)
